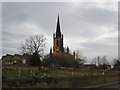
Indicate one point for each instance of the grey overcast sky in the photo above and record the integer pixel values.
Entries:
(91, 27)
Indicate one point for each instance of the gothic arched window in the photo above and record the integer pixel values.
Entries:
(57, 42)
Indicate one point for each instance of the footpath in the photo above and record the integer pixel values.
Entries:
(105, 85)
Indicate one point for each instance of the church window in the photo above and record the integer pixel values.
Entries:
(57, 49)
(57, 42)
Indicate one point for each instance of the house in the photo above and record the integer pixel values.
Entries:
(104, 67)
(90, 67)
(15, 59)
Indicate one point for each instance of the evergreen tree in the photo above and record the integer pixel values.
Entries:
(35, 59)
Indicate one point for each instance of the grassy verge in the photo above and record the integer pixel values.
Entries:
(54, 78)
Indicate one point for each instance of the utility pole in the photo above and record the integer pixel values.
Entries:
(104, 65)
(98, 58)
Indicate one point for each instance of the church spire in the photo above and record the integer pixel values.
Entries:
(58, 32)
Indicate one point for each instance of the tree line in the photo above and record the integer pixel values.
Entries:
(34, 46)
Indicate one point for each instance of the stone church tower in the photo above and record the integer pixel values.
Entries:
(58, 39)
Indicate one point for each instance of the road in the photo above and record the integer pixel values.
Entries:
(114, 85)
(107, 85)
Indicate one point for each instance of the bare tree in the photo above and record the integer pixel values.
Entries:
(104, 61)
(33, 44)
(116, 64)
(93, 61)
(115, 60)
(79, 57)
(98, 60)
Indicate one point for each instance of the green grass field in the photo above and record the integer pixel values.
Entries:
(55, 78)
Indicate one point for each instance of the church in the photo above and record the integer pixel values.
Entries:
(58, 47)
(59, 55)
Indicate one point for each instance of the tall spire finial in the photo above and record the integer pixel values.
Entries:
(58, 22)
(58, 32)
(58, 16)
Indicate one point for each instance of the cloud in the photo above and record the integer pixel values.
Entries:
(0, 29)
(60, 1)
(87, 26)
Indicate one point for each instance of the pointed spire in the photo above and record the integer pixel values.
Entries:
(58, 32)
(50, 50)
(67, 49)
